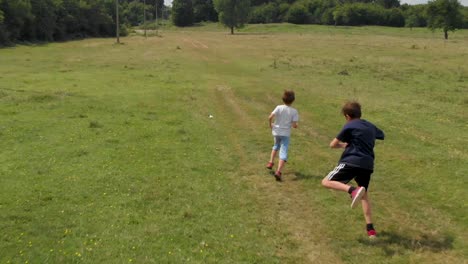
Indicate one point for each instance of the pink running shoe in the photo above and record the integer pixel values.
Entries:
(372, 233)
(278, 176)
(270, 165)
(356, 195)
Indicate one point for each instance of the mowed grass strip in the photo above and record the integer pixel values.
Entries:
(109, 154)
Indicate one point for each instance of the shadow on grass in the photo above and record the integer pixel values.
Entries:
(301, 176)
(394, 244)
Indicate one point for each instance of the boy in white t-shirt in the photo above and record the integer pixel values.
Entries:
(285, 117)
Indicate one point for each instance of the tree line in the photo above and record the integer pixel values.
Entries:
(58, 20)
(445, 14)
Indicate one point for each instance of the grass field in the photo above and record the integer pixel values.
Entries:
(108, 154)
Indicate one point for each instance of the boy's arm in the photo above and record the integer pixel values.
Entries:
(295, 120)
(340, 140)
(379, 134)
(270, 119)
(336, 143)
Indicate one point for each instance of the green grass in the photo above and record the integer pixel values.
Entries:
(347, 30)
(108, 154)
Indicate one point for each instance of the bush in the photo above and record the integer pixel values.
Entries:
(266, 13)
(465, 17)
(182, 13)
(414, 16)
(394, 18)
(203, 10)
(327, 17)
(368, 14)
(298, 14)
(283, 10)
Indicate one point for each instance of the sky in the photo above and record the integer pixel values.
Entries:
(414, 2)
(411, 2)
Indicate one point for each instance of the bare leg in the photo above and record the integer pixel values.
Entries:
(335, 185)
(281, 164)
(273, 155)
(366, 208)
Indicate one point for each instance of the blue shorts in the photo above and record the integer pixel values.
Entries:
(281, 144)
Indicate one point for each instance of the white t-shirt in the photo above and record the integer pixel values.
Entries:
(284, 116)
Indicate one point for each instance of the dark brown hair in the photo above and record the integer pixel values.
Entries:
(352, 109)
(288, 97)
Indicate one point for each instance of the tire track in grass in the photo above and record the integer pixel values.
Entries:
(284, 205)
(195, 43)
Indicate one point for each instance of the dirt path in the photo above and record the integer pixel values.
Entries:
(195, 43)
(285, 204)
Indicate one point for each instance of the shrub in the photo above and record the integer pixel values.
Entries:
(266, 13)
(298, 14)
(182, 13)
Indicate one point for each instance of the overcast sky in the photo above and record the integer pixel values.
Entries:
(411, 2)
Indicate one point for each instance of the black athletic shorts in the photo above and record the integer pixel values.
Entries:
(345, 173)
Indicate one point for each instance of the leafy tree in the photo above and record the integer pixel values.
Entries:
(17, 14)
(388, 3)
(465, 17)
(411, 21)
(414, 15)
(265, 13)
(153, 7)
(44, 22)
(259, 2)
(203, 10)
(394, 17)
(182, 13)
(134, 12)
(368, 14)
(444, 14)
(3, 35)
(283, 9)
(95, 18)
(327, 17)
(352, 14)
(233, 13)
(298, 13)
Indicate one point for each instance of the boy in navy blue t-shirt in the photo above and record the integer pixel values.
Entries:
(357, 161)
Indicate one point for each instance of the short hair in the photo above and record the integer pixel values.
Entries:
(288, 97)
(352, 109)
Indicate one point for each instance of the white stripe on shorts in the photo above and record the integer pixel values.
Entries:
(335, 171)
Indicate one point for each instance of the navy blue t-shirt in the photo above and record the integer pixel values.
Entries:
(360, 136)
